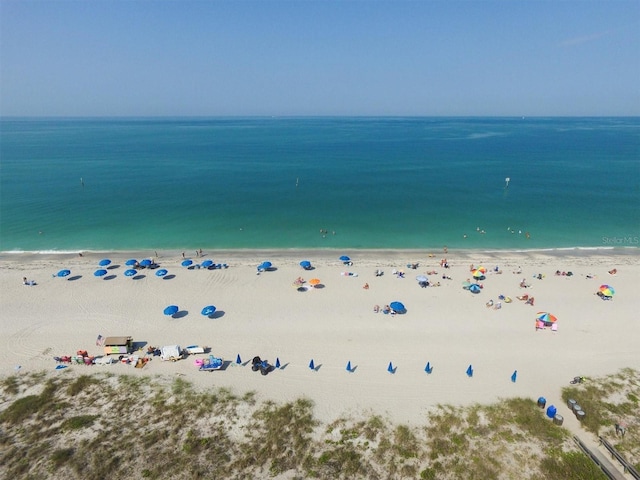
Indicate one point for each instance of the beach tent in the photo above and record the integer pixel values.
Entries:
(398, 307)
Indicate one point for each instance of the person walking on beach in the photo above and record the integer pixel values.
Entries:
(182, 254)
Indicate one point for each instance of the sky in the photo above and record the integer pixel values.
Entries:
(308, 57)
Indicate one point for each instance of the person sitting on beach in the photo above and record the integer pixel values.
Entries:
(518, 271)
(497, 306)
(523, 283)
(386, 309)
(489, 304)
(27, 282)
(529, 301)
(366, 286)
(376, 308)
(613, 272)
(523, 297)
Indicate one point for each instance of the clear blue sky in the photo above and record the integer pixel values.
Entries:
(235, 57)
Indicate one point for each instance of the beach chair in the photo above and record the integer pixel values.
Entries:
(554, 327)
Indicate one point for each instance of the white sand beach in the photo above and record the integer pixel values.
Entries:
(333, 324)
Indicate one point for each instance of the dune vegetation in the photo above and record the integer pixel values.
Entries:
(103, 425)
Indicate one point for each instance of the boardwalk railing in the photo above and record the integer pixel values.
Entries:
(596, 460)
(614, 453)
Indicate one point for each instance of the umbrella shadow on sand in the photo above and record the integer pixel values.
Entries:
(169, 277)
(138, 277)
(180, 314)
(74, 278)
(109, 277)
(217, 314)
(113, 267)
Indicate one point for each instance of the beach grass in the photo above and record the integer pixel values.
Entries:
(97, 425)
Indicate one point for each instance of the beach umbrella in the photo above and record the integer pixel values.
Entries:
(305, 264)
(481, 269)
(397, 306)
(546, 317)
(477, 273)
(130, 262)
(130, 273)
(422, 278)
(314, 281)
(171, 310)
(146, 262)
(474, 288)
(100, 273)
(208, 310)
(186, 263)
(161, 273)
(607, 290)
(104, 262)
(264, 266)
(63, 273)
(207, 263)
(344, 258)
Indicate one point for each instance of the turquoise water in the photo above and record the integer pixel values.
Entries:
(124, 184)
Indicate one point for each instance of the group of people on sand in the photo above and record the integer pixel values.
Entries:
(386, 309)
(527, 299)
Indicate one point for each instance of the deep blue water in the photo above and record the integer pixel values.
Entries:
(128, 184)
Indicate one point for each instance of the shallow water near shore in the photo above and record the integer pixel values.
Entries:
(319, 183)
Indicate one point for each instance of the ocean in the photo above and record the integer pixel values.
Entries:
(326, 183)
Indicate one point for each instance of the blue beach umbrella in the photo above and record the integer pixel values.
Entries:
(208, 310)
(63, 273)
(104, 262)
(171, 310)
(130, 273)
(474, 288)
(264, 266)
(305, 264)
(344, 258)
(207, 263)
(161, 273)
(146, 262)
(100, 273)
(422, 278)
(397, 306)
(186, 263)
(130, 262)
